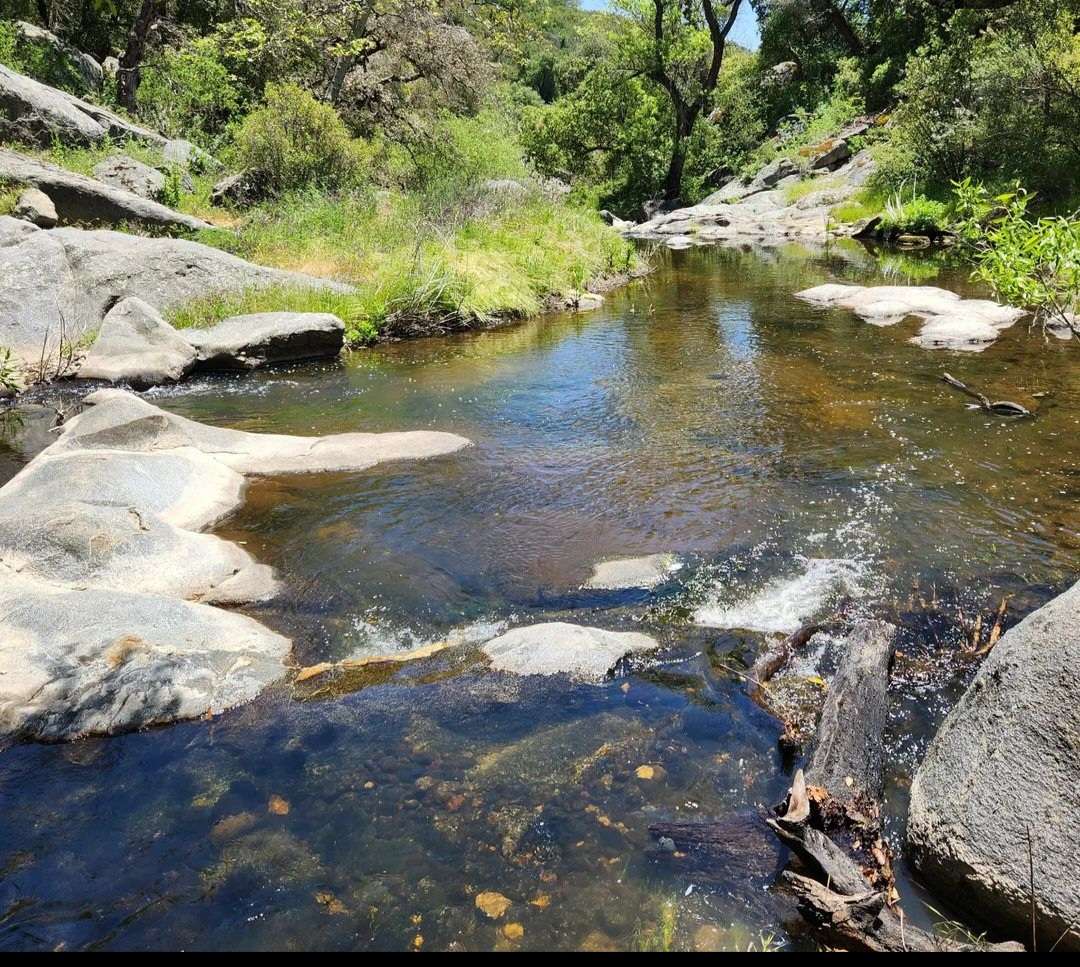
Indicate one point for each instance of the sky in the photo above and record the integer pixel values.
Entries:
(744, 33)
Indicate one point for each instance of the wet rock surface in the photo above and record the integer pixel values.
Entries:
(102, 562)
(633, 572)
(949, 322)
(1002, 767)
(556, 648)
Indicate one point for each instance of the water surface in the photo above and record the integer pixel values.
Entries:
(791, 457)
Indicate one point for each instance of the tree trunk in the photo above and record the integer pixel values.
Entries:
(44, 14)
(127, 78)
(346, 62)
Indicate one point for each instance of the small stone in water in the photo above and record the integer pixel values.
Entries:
(278, 806)
(645, 772)
(492, 904)
(232, 826)
(369, 784)
(332, 903)
(541, 901)
(667, 844)
(513, 931)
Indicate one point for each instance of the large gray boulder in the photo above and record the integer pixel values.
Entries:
(81, 68)
(122, 171)
(105, 577)
(59, 284)
(135, 345)
(1004, 765)
(35, 207)
(266, 338)
(81, 199)
(35, 113)
(558, 648)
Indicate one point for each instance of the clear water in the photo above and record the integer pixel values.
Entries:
(792, 458)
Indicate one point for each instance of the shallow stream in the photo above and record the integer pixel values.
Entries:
(791, 457)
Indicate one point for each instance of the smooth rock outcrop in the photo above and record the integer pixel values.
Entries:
(265, 338)
(102, 563)
(35, 207)
(633, 572)
(1004, 762)
(559, 648)
(35, 113)
(759, 210)
(81, 199)
(949, 322)
(135, 345)
(59, 284)
(85, 661)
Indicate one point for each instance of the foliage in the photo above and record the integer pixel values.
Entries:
(917, 215)
(294, 142)
(39, 60)
(1030, 262)
(10, 381)
(994, 96)
(189, 91)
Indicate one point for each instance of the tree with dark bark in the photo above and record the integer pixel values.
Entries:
(127, 78)
(680, 45)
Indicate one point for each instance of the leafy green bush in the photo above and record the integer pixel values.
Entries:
(996, 103)
(38, 60)
(190, 92)
(1034, 263)
(295, 142)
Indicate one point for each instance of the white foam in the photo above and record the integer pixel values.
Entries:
(785, 604)
(374, 638)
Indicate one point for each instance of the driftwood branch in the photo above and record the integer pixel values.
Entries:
(1001, 407)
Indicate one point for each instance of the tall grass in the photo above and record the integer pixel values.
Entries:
(480, 259)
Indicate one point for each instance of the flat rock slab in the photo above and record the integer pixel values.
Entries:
(949, 321)
(124, 172)
(260, 339)
(79, 199)
(78, 662)
(559, 648)
(105, 578)
(633, 572)
(135, 345)
(61, 283)
(1004, 762)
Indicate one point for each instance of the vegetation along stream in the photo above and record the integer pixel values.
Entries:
(791, 458)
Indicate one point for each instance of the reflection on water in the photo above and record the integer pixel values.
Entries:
(791, 457)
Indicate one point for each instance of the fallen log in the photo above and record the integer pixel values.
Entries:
(1001, 407)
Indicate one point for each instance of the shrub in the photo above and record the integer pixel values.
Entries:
(190, 92)
(918, 215)
(41, 61)
(1034, 263)
(294, 142)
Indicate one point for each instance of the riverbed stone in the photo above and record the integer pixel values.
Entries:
(105, 578)
(1004, 762)
(557, 647)
(135, 345)
(633, 572)
(265, 338)
(949, 321)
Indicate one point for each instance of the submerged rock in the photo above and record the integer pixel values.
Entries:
(99, 543)
(633, 572)
(252, 341)
(136, 346)
(949, 322)
(553, 648)
(1004, 764)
